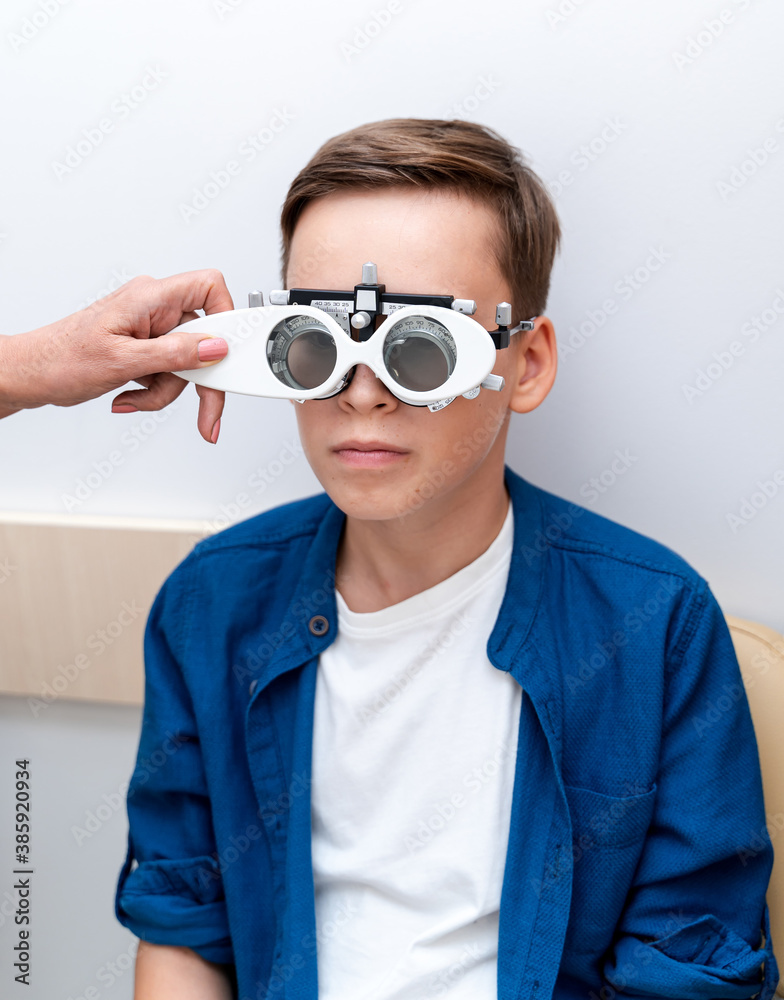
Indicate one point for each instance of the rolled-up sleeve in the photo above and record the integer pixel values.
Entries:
(170, 889)
(696, 924)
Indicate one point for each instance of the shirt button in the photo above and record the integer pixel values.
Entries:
(252, 686)
(318, 624)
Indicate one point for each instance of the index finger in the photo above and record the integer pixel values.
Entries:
(190, 290)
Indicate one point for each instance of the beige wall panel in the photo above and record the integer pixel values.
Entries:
(74, 597)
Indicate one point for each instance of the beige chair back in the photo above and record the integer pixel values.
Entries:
(760, 652)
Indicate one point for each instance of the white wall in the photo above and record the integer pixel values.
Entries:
(682, 103)
(81, 757)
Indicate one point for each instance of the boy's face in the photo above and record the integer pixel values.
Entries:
(427, 243)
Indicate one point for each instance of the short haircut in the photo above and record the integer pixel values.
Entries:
(446, 154)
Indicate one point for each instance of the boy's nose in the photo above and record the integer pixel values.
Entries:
(366, 390)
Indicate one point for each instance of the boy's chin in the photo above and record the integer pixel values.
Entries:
(377, 502)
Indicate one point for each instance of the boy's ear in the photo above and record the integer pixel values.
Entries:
(536, 363)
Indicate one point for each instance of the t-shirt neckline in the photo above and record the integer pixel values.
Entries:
(440, 598)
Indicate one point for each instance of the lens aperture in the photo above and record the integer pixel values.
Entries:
(301, 352)
(419, 353)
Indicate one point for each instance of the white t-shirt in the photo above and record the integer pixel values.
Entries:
(414, 747)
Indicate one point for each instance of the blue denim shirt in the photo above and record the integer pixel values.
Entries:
(638, 855)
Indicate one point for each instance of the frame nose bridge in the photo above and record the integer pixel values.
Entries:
(366, 352)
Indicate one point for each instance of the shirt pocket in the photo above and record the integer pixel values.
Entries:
(608, 835)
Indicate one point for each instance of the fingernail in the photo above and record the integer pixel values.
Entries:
(124, 408)
(215, 431)
(214, 347)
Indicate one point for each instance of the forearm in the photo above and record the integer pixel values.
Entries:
(166, 972)
(7, 365)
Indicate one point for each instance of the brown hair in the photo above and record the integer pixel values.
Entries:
(452, 154)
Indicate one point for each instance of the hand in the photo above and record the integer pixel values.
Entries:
(116, 339)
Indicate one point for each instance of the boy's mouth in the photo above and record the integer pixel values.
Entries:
(368, 453)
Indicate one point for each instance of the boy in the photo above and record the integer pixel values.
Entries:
(438, 731)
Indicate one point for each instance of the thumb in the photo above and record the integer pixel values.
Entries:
(177, 352)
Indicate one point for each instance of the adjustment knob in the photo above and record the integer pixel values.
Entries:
(503, 314)
(361, 319)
